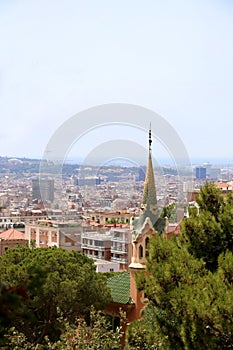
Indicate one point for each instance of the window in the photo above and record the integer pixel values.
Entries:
(147, 246)
(99, 243)
(140, 252)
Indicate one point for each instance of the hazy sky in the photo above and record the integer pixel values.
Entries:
(172, 56)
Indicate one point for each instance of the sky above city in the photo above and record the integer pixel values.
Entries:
(174, 57)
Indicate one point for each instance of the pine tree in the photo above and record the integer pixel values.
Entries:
(53, 280)
(188, 282)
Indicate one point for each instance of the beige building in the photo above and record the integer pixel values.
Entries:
(47, 233)
(105, 217)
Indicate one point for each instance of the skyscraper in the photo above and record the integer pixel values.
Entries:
(43, 189)
(200, 173)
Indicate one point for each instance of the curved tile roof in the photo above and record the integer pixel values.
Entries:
(120, 288)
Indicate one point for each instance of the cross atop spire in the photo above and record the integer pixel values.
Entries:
(150, 139)
(149, 193)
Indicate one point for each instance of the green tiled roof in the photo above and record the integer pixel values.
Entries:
(120, 288)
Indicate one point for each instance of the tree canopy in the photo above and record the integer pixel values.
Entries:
(45, 283)
(189, 306)
(188, 282)
(97, 335)
(210, 232)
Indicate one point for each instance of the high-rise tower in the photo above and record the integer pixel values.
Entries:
(43, 189)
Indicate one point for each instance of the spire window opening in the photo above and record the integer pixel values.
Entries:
(147, 246)
(140, 252)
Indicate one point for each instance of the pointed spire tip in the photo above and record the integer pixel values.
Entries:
(150, 139)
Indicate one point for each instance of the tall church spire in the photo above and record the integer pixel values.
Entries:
(148, 222)
(149, 199)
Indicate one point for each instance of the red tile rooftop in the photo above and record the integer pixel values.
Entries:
(13, 234)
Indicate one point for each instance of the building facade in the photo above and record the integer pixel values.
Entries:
(121, 247)
(96, 245)
(111, 217)
(48, 233)
(200, 173)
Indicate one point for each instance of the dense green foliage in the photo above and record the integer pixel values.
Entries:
(98, 335)
(209, 232)
(189, 282)
(44, 282)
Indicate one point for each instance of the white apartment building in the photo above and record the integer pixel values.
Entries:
(121, 247)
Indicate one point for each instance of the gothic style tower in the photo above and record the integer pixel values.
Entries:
(143, 228)
(149, 199)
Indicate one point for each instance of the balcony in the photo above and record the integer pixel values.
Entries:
(121, 239)
(121, 260)
(84, 245)
(93, 247)
(119, 250)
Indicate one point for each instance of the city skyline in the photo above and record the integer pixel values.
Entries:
(58, 59)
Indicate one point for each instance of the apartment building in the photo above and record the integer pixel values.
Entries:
(48, 233)
(97, 245)
(121, 247)
(114, 246)
(108, 217)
